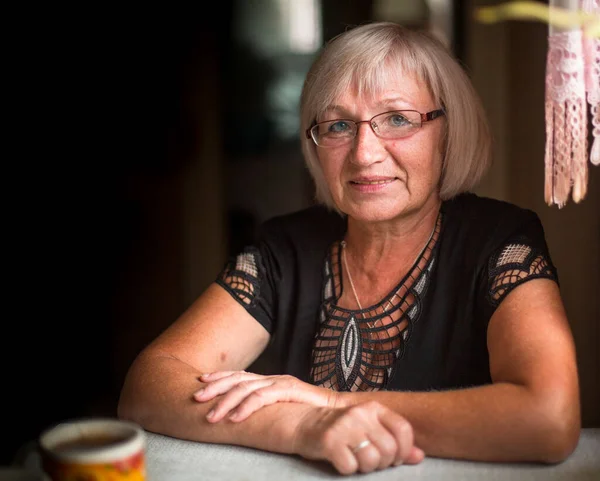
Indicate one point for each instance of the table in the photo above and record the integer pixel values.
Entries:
(170, 459)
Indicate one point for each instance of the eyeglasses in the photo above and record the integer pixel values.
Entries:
(388, 125)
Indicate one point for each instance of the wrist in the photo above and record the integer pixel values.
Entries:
(327, 398)
(306, 441)
(303, 420)
(343, 399)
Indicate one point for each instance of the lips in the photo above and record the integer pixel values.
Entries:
(373, 180)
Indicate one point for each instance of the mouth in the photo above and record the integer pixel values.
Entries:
(371, 185)
(373, 180)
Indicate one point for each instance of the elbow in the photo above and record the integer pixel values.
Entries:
(560, 443)
(133, 409)
(125, 410)
(560, 432)
(131, 400)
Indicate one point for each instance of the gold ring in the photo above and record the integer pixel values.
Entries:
(363, 444)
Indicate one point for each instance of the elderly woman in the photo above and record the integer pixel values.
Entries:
(401, 317)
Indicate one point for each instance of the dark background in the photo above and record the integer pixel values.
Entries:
(99, 123)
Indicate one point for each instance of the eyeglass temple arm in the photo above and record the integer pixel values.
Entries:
(434, 114)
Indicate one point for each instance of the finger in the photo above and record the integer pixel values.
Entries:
(416, 456)
(402, 431)
(282, 390)
(234, 397)
(260, 398)
(343, 460)
(214, 376)
(332, 445)
(368, 458)
(277, 391)
(222, 385)
(386, 444)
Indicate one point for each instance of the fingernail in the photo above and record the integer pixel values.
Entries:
(234, 415)
(211, 413)
(205, 374)
(398, 463)
(199, 393)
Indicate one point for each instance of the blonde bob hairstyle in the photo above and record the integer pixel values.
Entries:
(365, 58)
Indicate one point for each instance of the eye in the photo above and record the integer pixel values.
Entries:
(339, 126)
(397, 120)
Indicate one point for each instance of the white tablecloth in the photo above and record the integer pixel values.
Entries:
(171, 459)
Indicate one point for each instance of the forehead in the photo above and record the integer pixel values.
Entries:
(389, 88)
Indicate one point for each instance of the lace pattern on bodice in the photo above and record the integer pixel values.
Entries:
(357, 350)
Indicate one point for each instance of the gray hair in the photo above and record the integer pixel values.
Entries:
(360, 58)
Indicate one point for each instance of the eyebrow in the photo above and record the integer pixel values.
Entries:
(388, 102)
(336, 108)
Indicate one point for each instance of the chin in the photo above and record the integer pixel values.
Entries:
(374, 217)
(375, 213)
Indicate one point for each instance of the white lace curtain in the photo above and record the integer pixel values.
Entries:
(572, 99)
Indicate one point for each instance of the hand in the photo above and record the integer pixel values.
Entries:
(244, 393)
(336, 435)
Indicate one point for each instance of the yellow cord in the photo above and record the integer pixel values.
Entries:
(554, 16)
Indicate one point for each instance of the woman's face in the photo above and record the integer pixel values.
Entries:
(373, 179)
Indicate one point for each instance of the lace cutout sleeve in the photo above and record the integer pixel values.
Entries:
(515, 263)
(240, 277)
(247, 277)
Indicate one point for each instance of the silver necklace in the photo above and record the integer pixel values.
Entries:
(343, 244)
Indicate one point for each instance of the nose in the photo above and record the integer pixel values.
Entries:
(368, 148)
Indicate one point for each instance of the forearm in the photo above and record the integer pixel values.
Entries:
(498, 422)
(157, 394)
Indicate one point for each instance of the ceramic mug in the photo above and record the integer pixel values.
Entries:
(93, 450)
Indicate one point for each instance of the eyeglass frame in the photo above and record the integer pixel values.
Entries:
(425, 117)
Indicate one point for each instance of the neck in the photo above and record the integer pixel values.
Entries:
(375, 249)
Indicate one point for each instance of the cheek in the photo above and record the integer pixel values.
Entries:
(435, 175)
(327, 171)
(433, 168)
(423, 166)
(331, 166)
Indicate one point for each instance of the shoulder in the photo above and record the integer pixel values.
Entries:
(480, 226)
(490, 217)
(475, 207)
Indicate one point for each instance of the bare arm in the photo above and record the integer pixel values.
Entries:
(158, 396)
(215, 333)
(531, 412)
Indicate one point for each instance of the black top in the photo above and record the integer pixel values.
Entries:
(428, 333)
